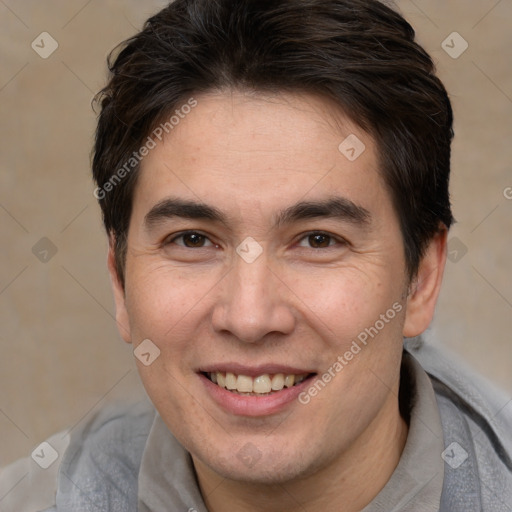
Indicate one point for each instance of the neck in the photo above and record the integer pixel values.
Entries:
(348, 483)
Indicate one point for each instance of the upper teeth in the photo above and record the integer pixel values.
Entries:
(262, 384)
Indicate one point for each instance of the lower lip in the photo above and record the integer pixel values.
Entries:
(245, 405)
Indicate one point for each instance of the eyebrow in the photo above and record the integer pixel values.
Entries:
(339, 208)
(171, 207)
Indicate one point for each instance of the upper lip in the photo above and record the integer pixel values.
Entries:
(254, 371)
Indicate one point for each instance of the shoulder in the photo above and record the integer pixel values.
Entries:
(471, 391)
(477, 425)
(99, 457)
(101, 464)
(113, 429)
(29, 484)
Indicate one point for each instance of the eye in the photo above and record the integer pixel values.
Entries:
(319, 240)
(191, 240)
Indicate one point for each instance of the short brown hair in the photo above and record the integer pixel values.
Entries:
(359, 53)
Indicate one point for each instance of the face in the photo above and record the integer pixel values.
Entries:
(323, 265)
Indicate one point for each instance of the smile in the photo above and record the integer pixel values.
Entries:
(260, 390)
(265, 384)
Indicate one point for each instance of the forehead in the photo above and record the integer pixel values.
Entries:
(249, 152)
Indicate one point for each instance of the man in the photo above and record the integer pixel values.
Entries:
(273, 178)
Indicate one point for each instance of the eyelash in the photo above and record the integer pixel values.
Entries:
(185, 233)
(337, 240)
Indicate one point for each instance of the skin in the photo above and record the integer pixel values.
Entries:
(251, 156)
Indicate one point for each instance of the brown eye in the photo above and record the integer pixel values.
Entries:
(319, 240)
(191, 240)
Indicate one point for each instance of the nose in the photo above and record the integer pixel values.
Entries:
(253, 303)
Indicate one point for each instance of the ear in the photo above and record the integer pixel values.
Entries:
(424, 289)
(122, 318)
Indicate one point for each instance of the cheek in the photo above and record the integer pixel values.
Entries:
(342, 302)
(162, 300)
(165, 306)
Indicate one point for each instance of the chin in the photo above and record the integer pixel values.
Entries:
(270, 475)
(264, 468)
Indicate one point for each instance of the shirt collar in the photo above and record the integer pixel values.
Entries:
(417, 482)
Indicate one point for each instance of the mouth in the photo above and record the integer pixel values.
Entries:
(255, 390)
(265, 384)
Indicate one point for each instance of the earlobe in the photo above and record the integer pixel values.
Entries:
(122, 318)
(424, 290)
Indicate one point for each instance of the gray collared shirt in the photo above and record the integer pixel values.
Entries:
(124, 459)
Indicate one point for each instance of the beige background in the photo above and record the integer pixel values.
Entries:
(61, 356)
